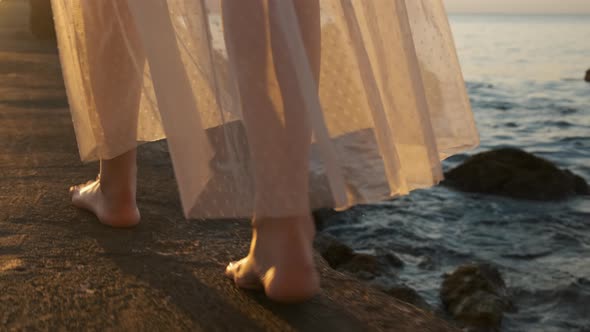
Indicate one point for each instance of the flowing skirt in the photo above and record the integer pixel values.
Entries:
(349, 101)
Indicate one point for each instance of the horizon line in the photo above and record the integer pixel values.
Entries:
(518, 13)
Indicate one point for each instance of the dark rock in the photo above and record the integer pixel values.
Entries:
(333, 251)
(391, 259)
(476, 296)
(515, 173)
(408, 295)
(427, 263)
(321, 215)
(388, 258)
(361, 263)
(580, 185)
(41, 19)
(587, 78)
(341, 257)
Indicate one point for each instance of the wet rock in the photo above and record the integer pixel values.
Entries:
(320, 217)
(476, 296)
(427, 263)
(408, 295)
(341, 257)
(390, 259)
(363, 265)
(587, 78)
(515, 173)
(41, 19)
(333, 251)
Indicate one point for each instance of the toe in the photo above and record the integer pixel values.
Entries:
(243, 279)
(231, 269)
(74, 193)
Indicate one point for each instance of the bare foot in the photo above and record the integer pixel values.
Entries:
(117, 210)
(280, 260)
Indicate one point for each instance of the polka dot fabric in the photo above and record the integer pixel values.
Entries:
(366, 97)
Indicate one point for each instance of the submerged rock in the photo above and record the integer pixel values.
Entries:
(427, 263)
(476, 296)
(364, 266)
(515, 173)
(387, 257)
(341, 257)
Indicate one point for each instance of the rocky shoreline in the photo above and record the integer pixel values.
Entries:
(474, 296)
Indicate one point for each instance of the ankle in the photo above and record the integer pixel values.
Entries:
(287, 225)
(117, 188)
(278, 237)
(118, 176)
(117, 194)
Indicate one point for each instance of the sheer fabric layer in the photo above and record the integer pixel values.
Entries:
(385, 105)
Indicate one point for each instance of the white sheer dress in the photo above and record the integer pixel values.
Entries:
(269, 105)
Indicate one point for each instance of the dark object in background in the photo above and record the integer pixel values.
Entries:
(515, 173)
(587, 78)
(41, 19)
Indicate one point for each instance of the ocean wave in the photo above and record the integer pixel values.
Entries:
(474, 86)
(494, 104)
(559, 123)
(574, 139)
(571, 294)
(528, 256)
(563, 307)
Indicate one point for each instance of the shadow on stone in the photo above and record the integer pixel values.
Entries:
(41, 19)
(195, 283)
(41, 103)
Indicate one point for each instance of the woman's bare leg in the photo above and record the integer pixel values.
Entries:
(117, 88)
(281, 255)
